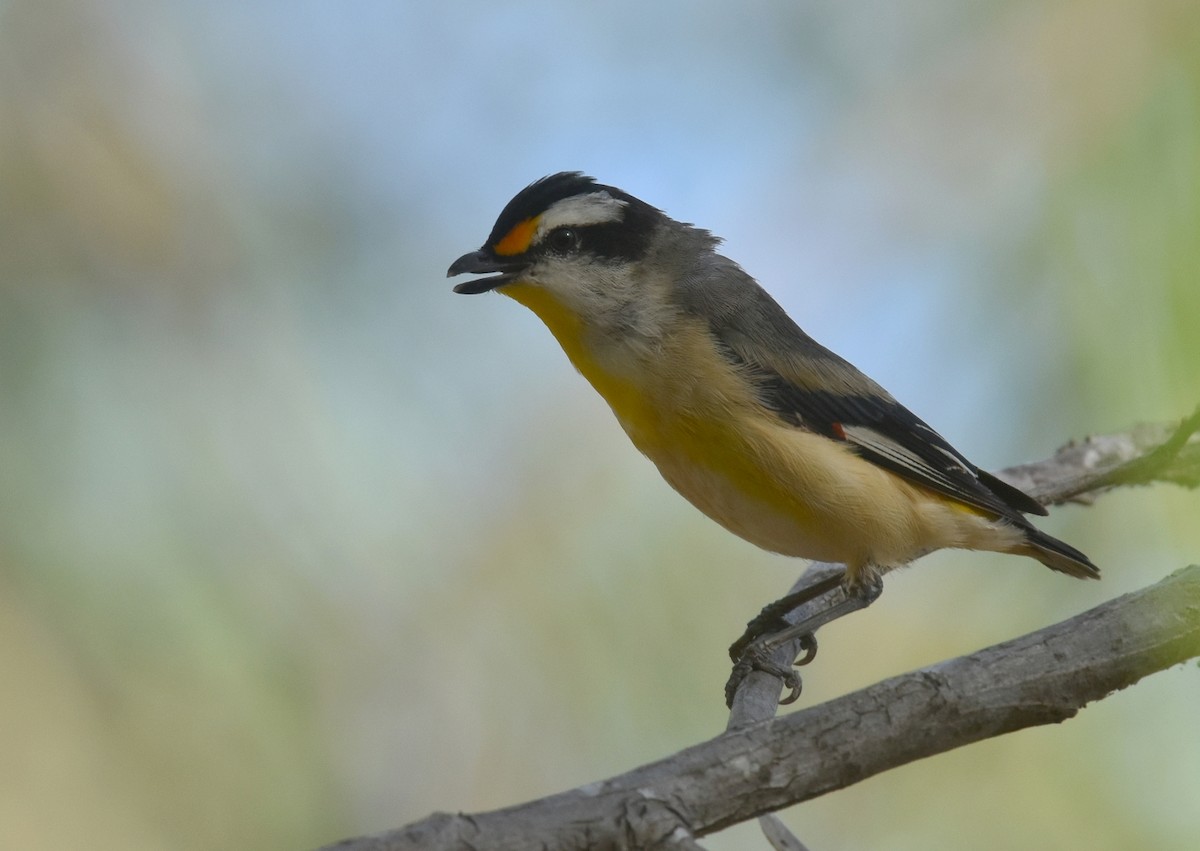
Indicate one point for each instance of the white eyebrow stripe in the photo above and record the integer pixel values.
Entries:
(596, 208)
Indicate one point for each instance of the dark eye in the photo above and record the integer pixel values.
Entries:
(563, 240)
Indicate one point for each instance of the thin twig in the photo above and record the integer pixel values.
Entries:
(1082, 470)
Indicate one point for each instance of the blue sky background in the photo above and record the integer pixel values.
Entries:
(297, 544)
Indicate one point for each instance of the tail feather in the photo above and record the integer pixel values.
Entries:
(1058, 555)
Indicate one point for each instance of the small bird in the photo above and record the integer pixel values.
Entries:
(766, 431)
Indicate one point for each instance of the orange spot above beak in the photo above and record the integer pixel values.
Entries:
(517, 240)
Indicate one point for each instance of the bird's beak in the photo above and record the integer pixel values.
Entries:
(480, 262)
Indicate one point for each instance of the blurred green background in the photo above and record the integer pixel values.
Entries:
(296, 544)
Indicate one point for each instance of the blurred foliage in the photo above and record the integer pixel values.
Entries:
(295, 545)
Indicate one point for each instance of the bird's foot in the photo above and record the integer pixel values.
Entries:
(773, 618)
(756, 656)
(772, 628)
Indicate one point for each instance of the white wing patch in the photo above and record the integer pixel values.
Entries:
(870, 439)
(596, 208)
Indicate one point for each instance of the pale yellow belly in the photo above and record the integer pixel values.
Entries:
(779, 529)
(799, 494)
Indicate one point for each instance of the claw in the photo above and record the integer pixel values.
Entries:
(794, 684)
(808, 643)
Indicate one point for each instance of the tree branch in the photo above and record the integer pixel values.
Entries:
(756, 768)
(1082, 470)
(1041, 678)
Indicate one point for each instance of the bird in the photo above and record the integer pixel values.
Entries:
(772, 435)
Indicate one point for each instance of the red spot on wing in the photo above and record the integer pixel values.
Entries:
(838, 431)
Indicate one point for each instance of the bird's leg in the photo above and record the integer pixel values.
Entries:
(854, 596)
(754, 652)
(772, 618)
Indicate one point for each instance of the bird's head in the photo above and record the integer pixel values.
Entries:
(569, 246)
